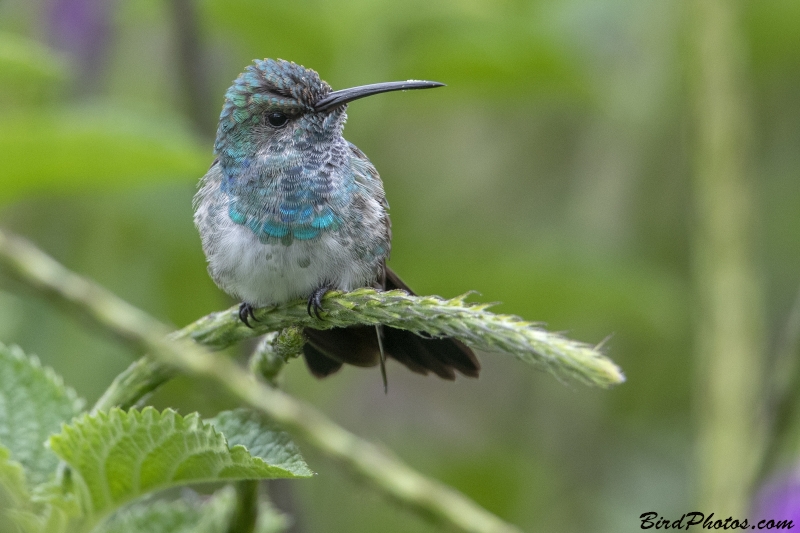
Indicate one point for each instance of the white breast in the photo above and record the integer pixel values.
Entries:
(261, 273)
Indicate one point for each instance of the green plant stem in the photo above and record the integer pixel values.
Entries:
(730, 320)
(784, 393)
(274, 350)
(428, 497)
(430, 314)
(136, 382)
(246, 515)
(469, 322)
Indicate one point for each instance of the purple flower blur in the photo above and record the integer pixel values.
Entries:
(779, 498)
(82, 28)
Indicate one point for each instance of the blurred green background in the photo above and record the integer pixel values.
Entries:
(554, 174)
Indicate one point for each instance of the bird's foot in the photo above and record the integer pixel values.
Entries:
(315, 301)
(247, 311)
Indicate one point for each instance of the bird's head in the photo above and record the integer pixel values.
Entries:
(276, 107)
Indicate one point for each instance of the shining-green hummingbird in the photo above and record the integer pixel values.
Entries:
(290, 209)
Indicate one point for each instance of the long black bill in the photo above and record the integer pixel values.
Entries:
(337, 98)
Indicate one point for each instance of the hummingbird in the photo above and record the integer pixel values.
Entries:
(289, 209)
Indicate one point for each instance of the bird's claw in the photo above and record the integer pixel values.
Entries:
(247, 311)
(315, 302)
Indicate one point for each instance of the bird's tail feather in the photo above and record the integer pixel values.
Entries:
(326, 350)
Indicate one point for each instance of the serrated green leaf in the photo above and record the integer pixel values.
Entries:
(94, 146)
(21, 510)
(262, 438)
(49, 519)
(12, 479)
(189, 515)
(119, 456)
(14, 497)
(33, 404)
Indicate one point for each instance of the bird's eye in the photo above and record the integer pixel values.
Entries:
(277, 120)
